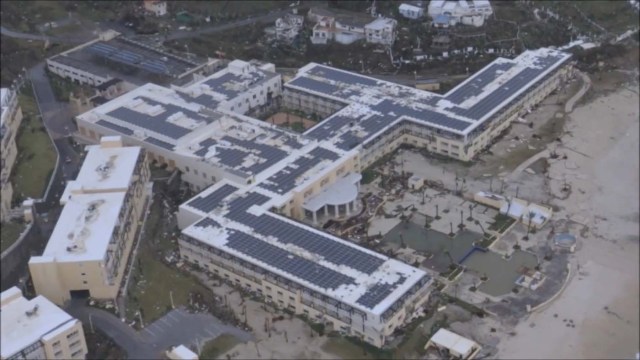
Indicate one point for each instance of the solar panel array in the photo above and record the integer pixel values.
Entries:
(348, 141)
(315, 85)
(285, 261)
(496, 97)
(206, 222)
(112, 126)
(324, 154)
(379, 292)
(231, 157)
(156, 123)
(328, 128)
(475, 86)
(171, 109)
(270, 154)
(209, 202)
(344, 77)
(387, 106)
(329, 249)
(162, 144)
(141, 56)
(285, 180)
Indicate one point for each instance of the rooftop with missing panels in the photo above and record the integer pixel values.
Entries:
(25, 322)
(238, 222)
(84, 228)
(375, 105)
(92, 203)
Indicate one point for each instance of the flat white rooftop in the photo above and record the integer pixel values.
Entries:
(25, 322)
(84, 228)
(240, 224)
(454, 342)
(108, 168)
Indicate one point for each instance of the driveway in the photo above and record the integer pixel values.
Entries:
(268, 17)
(26, 36)
(175, 328)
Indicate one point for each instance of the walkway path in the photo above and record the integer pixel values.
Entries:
(586, 84)
(26, 36)
(176, 327)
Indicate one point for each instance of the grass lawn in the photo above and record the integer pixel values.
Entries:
(63, 87)
(9, 232)
(345, 349)
(152, 280)
(501, 223)
(218, 346)
(36, 154)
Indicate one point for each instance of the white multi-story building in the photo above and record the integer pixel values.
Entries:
(468, 12)
(155, 7)
(9, 125)
(241, 228)
(288, 27)
(88, 250)
(38, 329)
(348, 28)
(381, 31)
(410, 11)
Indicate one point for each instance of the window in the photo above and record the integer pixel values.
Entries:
(58, 353)
(57, 343)
(280, 293)
(269, 288)
(76, 353)
(75, 343)
(204, 175)
(291, 298)
(186, 169)
(195, 171)
(84, 282)
(72, 335)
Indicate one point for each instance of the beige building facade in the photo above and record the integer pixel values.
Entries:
(89, 248)
(11, 119)
(38, 329)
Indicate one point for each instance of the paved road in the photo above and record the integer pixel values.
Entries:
(268, 17)
(25, 36)
(176, 327)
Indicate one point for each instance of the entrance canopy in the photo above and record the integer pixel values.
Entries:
(343, 191)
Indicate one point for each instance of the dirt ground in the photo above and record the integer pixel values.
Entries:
(603, 174)
(298, 343)
(284, 118)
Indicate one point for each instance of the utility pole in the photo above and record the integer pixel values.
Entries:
(140, 317)
(171, 298)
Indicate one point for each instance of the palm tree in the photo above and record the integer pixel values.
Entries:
(477, 222)
(461, 226)
(531, 216)
(451, 231)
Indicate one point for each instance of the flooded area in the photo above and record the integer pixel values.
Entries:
(442, 250)
(435, 245)
(502, 273)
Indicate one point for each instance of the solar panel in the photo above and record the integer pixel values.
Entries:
(209, 202)
(379, 292)
(341, 76)
(285, 261)
(162, 144)
(315, 85)
(112, 126)
(331, 250)
(206, 222)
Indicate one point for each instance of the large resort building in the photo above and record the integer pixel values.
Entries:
(88, 250)
(265, 179)
(9, 125)
(38, 329)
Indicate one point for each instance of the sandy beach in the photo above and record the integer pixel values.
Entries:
(601, 298)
